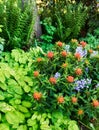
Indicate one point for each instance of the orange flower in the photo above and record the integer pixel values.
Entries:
(36, 73)
(80, 112)
(39, 59)
(60, 99)
(90, 51)
(74, 100)
(37, 95)
(70, 79)
(77, 56)
(52, 80)
(50, 55)
(60, 44)
(64, 53)
(78, 71)
(95, 103)
(83, 43)
(64, 65)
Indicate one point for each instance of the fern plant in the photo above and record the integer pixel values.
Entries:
(18, 23)
(67, 17)
(70, 20)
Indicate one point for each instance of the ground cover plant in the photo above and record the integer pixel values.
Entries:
(38, 89)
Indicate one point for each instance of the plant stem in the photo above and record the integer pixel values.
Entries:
(85, 125)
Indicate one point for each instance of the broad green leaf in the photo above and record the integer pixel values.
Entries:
(31, 122)
(72, 125)
(2, 97)
(23, 109)
(2, 77)
(4, 107)
(26, 88)
(14, 117)
(3, 86)
(22, 127)
(4, 126)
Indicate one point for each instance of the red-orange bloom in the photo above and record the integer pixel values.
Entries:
(70, 79)
(60, 44)
(74, 100)
(83, 43)
(37, 95)
(64, 65)
(80, 112)
(39, 59)
(50, 55)
(78, 71)
(52, 80)
(95, 103)
(36, 73)
(64, 53)
(60, 99)
(77, 56)
(90, 51)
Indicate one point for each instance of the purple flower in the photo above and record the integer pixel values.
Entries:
(81, 84)
(87, 69)
(57, 75)
(81, 51)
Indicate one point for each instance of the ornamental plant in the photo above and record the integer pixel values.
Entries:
(69, 80)
(55, 87)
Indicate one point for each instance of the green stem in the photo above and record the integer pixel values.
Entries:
(85, 125)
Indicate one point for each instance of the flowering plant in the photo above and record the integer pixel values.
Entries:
(67, 78)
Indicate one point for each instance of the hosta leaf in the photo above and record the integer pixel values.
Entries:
(3, 86)
(2, 77)
(4, 107)
(22, 127)
(14, 117)
(2, 97)
(72, 125)
(26, 88)
(4, 126)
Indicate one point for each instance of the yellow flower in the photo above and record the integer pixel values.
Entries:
(87, 62)
(74, 41)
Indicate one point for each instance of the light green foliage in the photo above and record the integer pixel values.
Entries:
(18, 23)
(17, 108)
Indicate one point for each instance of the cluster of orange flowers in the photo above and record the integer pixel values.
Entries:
(78, 71)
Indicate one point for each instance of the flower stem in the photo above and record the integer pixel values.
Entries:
(85, 125)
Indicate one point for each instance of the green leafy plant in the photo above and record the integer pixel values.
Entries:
(49, 31)
(67, 17)
(17, 23)
(92, 39)
(17, 109)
